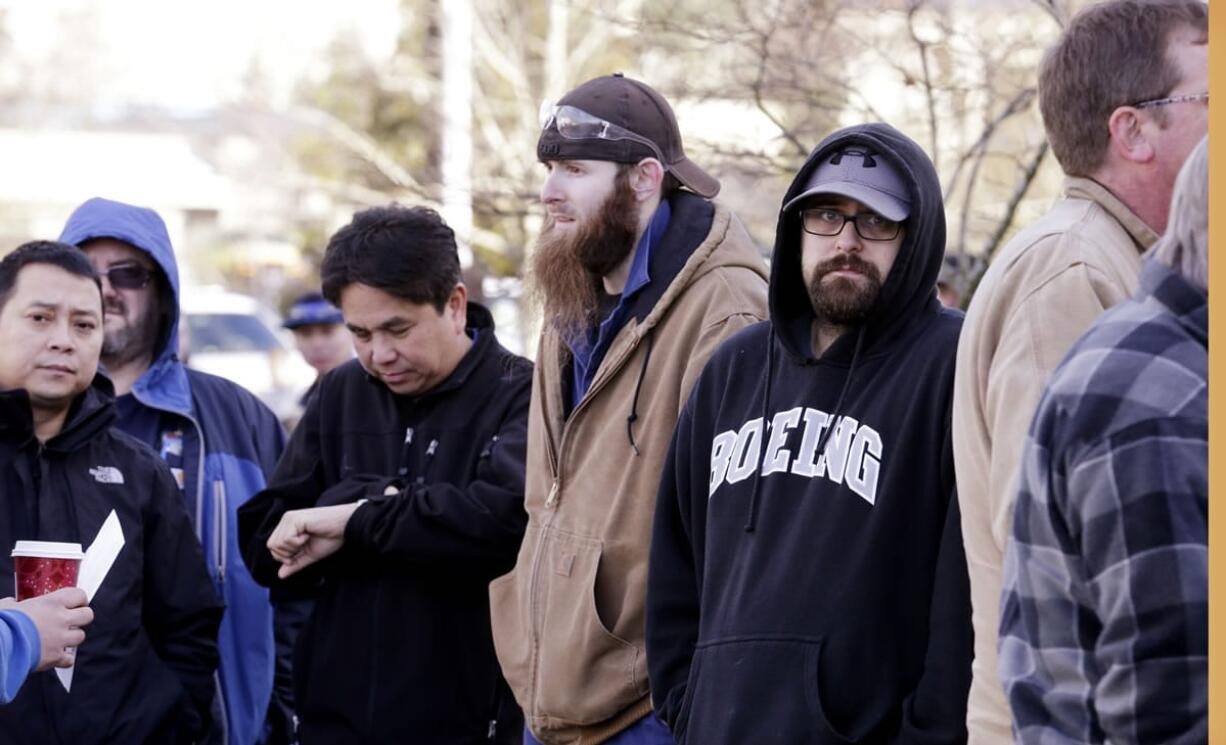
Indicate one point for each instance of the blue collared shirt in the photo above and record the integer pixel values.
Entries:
(587, 353)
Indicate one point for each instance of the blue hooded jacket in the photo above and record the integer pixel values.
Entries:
(228, 442)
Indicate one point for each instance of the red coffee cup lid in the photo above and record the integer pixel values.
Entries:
(48, 550)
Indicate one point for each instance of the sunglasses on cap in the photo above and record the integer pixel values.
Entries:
(576, 124)
(128, 276)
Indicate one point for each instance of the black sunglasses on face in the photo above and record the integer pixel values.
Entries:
(128, 276)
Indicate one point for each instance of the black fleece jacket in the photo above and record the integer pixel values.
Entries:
(818, 597)
(398, 648)
(145, 671)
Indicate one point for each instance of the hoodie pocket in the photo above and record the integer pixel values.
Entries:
(587, 673)
(759, 690)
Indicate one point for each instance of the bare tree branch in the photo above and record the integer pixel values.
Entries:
(1019, 192)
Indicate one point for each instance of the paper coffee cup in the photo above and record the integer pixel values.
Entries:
(42, 567)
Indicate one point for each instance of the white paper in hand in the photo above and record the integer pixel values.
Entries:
(99, 558)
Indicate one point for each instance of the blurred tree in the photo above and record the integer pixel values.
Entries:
(957, 76)
(386, 117)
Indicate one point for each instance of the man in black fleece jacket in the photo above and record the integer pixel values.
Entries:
(144, 674)
(402, 489)
(807, 583)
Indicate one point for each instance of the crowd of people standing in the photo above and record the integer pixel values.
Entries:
(729, 502)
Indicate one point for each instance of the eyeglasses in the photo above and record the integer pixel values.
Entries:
(1187, 98)
(128, 276)
(869, 225)
(576, 124)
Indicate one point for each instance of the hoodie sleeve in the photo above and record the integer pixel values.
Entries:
(19, 651)
(673, 578)
(475, 526)
(181, 611)
(934, 713)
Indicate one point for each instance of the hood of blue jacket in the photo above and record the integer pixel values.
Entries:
(164, 385)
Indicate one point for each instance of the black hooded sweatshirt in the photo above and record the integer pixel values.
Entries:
(808, 599)
(145, 671)
(398, 648)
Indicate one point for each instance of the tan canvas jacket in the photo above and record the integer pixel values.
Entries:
(1042, 291)
(568, 621)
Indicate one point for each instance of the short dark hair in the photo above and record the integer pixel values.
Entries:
(408, 252)
(1112, 54)
(69, 258)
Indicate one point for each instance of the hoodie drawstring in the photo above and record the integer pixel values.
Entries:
(766, 398)
(638, 385)
(834, 413)
(751, 522)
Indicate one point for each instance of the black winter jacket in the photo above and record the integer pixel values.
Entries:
(145, 671)
(399, 647)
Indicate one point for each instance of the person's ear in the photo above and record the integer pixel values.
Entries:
(646, 178)
(1129, 136)
(457, 307)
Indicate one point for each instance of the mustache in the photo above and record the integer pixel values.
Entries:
(845, 262)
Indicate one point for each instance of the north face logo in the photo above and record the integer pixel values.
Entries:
(106, 475)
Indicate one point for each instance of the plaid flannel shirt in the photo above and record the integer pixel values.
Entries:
(1104, 613)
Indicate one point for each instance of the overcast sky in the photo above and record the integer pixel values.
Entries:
(193, 55)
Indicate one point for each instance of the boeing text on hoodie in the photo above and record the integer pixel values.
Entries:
(852, 454)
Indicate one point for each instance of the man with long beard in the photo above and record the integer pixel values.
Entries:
(641, 276)
(807, 584)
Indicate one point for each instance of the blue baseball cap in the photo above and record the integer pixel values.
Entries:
(312, 309)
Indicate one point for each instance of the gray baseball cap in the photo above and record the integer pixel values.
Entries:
(859, 174)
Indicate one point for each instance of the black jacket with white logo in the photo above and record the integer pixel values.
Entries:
(398, 648)
(803, 597)
(145, 671)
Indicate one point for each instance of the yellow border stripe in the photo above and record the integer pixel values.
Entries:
(1217, 382)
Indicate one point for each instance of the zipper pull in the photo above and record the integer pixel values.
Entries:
(552, 499)
(493, 730)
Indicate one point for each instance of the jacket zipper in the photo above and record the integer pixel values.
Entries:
(219, 531)
(219, 561)
(551, 502)
(600, 382)
(199, 478)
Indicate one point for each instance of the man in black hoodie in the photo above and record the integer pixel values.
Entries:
(144, 674)
(807, 583)
(402, 490)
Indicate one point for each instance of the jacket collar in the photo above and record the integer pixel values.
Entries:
(1142, 235)
(1189, 305)
(165, 386)
(90, 414)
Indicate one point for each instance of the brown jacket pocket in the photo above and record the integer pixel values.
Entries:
(587, 673)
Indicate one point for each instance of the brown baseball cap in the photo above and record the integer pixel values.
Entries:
(637, 108)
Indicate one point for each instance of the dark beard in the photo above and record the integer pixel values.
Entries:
(132, 342)
(567, 268)
(844, 302)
